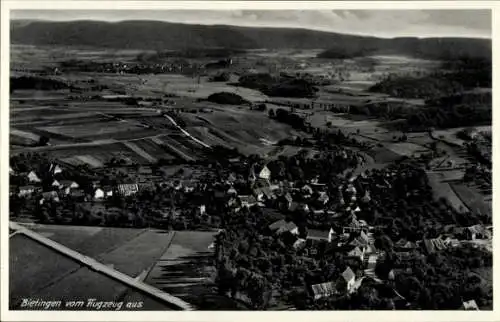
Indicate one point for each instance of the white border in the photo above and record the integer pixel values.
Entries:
(6, 315)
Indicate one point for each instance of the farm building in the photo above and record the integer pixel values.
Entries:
(56, 183)
(128, 189)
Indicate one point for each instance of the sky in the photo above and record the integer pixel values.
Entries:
(381, 23)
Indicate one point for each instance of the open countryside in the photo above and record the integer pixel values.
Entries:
(234, 173)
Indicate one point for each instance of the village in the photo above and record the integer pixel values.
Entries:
(282, 205)
(198, 167)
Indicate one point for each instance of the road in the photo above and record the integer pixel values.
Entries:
(186, 133)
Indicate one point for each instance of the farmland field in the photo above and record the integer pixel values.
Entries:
(474, 201)
(443, 189)
(99, 129)
(24, 134)
(47, 266)
(406, 148)
(241, 128)
(184, 269)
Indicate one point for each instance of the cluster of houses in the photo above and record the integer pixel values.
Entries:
(355, 238)
(60, 187)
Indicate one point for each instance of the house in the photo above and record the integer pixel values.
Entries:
(99, 193)
(202, 209)
(281, 226)
(323, 290)
(26, 190)
(50, 195)
(248, 201)
(128, 189)
(348, 279)
(33, 177)
(69, 184)
(357, 252)
(318, 235)
(55, 168)
(56, 183)
(295, 206)
(470, 306)
(11, 171)
(477, 232)
(264, 173)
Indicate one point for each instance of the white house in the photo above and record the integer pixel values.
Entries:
(99, 193)
(55, 169)
(32, 177)
(265, 173)
(202, 209)
(56, 183)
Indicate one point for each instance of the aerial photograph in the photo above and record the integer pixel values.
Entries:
(250, 160)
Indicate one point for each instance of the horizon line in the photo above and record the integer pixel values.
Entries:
(253, 27)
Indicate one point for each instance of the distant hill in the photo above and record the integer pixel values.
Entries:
(156, 35)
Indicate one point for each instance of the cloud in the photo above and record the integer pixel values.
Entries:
(383, 23)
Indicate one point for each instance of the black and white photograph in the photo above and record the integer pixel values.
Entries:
(249, 159)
